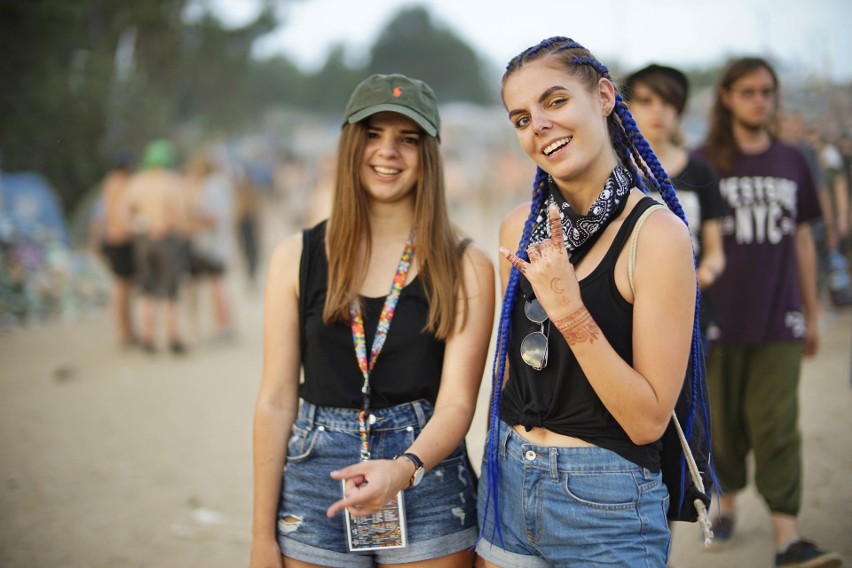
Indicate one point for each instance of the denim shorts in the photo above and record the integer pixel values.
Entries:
(440, 512)
(574, 506)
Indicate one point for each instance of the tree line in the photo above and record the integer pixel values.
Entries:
(81, 80)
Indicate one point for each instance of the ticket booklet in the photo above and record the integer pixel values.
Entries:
(383, 529)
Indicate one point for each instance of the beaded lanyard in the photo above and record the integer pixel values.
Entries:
(359, 339)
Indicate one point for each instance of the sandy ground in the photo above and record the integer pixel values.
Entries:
(112, 458)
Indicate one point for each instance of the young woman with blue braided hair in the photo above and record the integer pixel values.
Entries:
(591, 355)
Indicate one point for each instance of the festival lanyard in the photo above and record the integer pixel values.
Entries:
(359, 339)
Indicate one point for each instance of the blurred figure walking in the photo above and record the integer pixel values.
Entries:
(211, 205)
(248, 226)
(837, 208)
(116, 244)
(158, 208)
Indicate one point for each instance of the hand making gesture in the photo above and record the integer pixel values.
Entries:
(550, 272)
(370, 485)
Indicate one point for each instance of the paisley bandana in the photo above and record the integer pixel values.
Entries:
(581, 231)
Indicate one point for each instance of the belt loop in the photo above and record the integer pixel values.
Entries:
(309, 410)
(504, 438)
(420, 412)
(554, 464)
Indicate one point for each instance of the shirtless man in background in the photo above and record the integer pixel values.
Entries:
(157, 202)
(116, 243)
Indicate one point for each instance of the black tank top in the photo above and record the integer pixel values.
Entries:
(559, 397)
(409, 365)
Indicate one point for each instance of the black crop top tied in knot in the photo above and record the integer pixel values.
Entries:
(409, 365)
(559, 397)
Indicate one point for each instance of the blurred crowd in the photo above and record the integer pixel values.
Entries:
(212, 216)
(830, 159)
(171, 233)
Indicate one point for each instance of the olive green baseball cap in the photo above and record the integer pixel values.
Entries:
(395, 93)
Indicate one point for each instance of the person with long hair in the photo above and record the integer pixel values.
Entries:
(767, 301)
(390, 378)
(592, 351)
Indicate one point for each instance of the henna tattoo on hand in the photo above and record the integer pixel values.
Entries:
(515, 261)
(556, 285)
(578, 327)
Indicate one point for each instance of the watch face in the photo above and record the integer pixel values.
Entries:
(418, 475)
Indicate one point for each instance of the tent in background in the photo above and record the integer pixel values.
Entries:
(30, 205)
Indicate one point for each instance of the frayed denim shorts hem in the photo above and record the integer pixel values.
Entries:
(440, 512)
(571, 506)
(414, 552)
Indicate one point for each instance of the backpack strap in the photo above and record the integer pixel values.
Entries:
(703, 520)
(634, 238)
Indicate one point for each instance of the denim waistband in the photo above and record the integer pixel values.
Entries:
(562, 458)
(410, 414)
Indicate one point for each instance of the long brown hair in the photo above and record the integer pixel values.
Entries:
(438, 253)
(720, 145)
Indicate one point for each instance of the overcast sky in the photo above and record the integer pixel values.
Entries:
(807, 35)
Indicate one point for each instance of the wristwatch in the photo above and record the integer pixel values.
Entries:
(418, 469)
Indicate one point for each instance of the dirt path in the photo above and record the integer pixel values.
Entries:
(117, 459)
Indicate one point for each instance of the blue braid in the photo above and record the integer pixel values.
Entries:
(659, 178)
(531, 52)
(500, 355)
(633, 140)
(622, 150)
(594, 63)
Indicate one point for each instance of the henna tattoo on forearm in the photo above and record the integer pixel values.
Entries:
(578, 327)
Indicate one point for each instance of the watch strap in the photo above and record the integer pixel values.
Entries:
(418, 463)
(418, 467)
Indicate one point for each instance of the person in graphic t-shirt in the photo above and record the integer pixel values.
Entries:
(326, 311)
(767, 301)
(657, 96)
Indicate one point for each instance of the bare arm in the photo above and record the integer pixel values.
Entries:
(806, 262)
(277, 401)
(663, 316)
(841, 206)
(464, 362)
(712, 254)
(826, 205)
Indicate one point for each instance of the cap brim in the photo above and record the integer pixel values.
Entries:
(405, 111)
